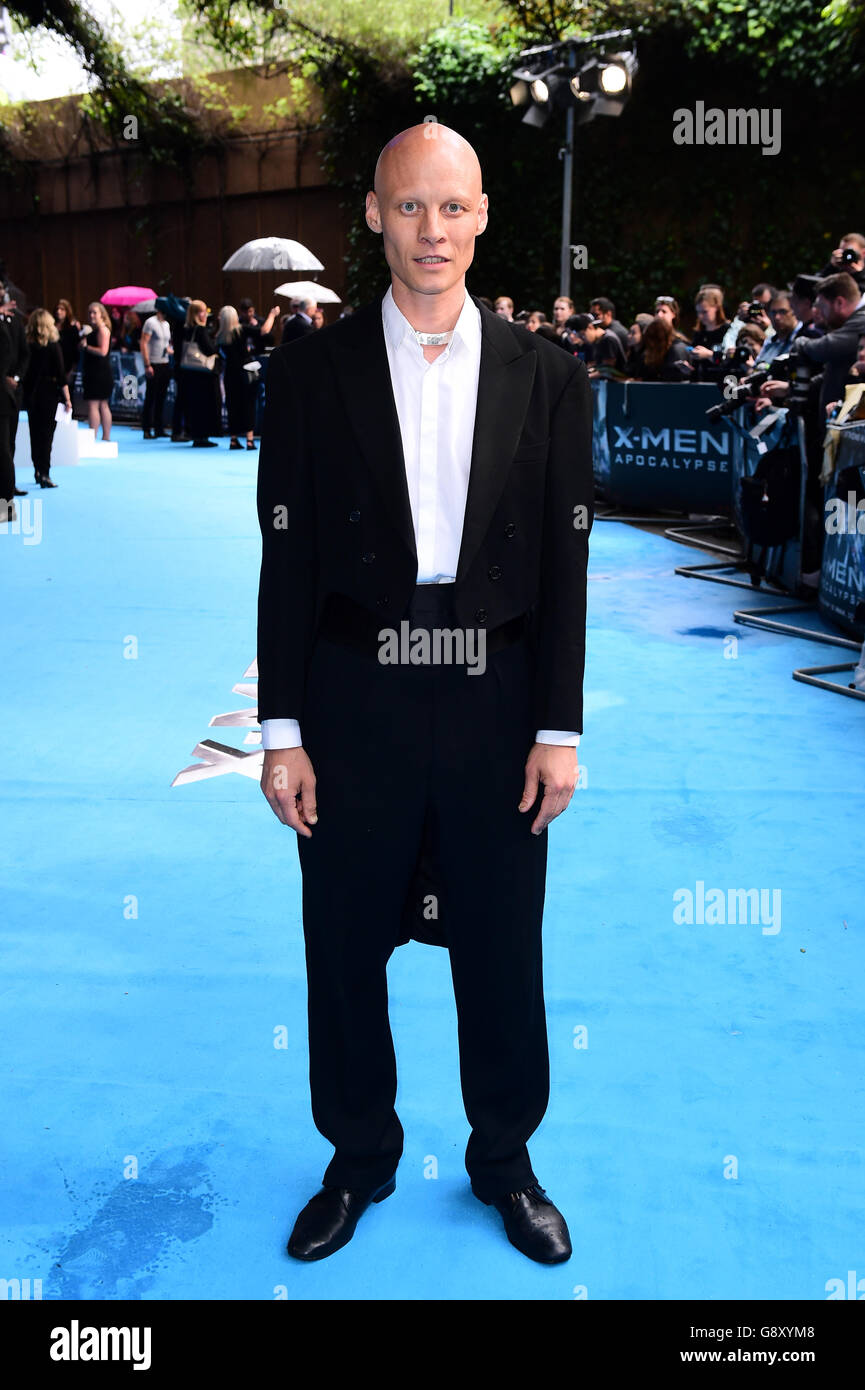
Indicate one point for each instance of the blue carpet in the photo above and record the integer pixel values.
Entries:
(704, 1135)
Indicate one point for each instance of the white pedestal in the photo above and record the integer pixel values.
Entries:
(72, 442)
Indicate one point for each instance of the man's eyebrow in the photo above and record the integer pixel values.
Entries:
(416, 198)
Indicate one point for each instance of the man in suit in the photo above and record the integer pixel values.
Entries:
(299, 324)
(425, 474)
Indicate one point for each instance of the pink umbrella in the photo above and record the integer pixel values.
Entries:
(125, 295)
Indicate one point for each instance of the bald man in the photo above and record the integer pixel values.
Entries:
(425, 500)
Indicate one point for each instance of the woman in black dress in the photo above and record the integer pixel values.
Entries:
(240, 389)
(200, 385)
(44, 385)
(97, 378)
(70, 338)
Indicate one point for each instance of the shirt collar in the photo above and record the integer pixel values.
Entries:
(467, 329)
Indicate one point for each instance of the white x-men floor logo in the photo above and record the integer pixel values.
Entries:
(219, 758)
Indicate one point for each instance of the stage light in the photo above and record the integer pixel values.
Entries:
(614, 79)
(520, 93)
(540, 90)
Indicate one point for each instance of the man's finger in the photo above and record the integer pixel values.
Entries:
(530, 789)
(308, 805)
(293, 816)
(555, 801)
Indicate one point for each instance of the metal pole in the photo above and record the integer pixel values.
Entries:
(567, 190)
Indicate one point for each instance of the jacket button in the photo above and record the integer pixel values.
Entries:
(510, 530)
(481, 615)
(494, 572)
(369, 557)
(354, 516)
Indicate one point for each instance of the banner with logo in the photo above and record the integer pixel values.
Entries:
(654, 447)
(842, 572)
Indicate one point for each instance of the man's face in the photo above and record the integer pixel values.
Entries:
(593, 332)
(831, 313)
(561, 311)
(802, 308)
(782, 318)
(505, 307)
(429, 207)
(605, 314)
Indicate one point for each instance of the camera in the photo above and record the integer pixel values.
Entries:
(755, 311)
(849, 255)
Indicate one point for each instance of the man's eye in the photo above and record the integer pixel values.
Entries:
(454, 207)
(409, 206)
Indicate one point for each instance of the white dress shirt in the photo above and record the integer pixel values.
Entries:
(435, 404)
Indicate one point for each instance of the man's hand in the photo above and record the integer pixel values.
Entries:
(288, 782)
(557, 768)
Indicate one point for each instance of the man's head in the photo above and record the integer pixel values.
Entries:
(562, 309)
(246, 310)
(603, 308)
(763, 292)
(582, 328)
(836, 299)
(781, 315)
(429, 205)
(505, 307)
(853, 242)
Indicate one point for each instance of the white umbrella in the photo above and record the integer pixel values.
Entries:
(145, 306)
(308, 289)
(273, 253)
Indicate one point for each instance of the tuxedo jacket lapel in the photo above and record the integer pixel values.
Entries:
(505, 383)
(504, 389)
(362, 377)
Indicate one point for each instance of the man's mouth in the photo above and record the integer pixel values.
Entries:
(431, 260)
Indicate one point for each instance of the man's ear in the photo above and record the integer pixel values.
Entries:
(483, 211)
(373, 215)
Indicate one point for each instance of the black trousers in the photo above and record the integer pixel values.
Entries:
(42, 418)
(400, 750)
(7, 467)
(154, 397)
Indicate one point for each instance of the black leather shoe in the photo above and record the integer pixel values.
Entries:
(20, 491)
(46, 481)
(534, 1225)
(328, 1221)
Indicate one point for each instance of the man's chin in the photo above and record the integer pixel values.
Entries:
(430, 282)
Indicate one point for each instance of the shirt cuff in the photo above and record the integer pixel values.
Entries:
(560, 736)
(280, 733)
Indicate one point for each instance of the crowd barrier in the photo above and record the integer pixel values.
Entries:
(129, 385)
(841, 598)
(654, 448)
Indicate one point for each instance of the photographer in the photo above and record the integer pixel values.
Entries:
(849, 256)
(803, 292)
(786, 325)
(754, 310)
(839, 309)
